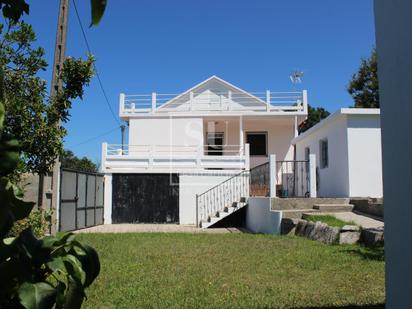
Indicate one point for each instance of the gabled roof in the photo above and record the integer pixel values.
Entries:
(209, 80)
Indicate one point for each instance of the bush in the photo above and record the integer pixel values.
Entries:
(39, 220)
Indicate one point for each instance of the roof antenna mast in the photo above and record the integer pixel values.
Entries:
(296, 78)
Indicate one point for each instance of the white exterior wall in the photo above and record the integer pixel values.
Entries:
(107, 211)
(166, 131)
(365, 156)
(280, 134)
(333, 181)
(189, 186)
(260, 218)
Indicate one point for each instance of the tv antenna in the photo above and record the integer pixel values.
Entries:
(296, 78)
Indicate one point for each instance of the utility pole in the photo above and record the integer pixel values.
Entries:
(56, 85)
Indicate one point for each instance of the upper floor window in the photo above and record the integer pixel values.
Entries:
(324, 155)
(258, 143)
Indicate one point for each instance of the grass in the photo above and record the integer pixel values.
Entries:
(329, 220)
(231, 271)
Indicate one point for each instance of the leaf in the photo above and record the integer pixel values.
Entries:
(90, 264)
(98, 8)
(75, 294)
(74, 268)
(37, 295)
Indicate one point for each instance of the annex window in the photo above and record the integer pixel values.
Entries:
(324, 155)
(257, 142)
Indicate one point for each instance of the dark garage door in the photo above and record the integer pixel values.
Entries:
(145, 198)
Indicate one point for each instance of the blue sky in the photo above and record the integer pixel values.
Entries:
(168, 46)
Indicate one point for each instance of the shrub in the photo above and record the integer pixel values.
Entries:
(39, 220)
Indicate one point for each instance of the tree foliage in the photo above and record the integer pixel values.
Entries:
(51, 271)
(69, 160)
(31, 116)
(315, 115)
(364, 86)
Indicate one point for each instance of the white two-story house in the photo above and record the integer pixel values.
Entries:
(182, 145)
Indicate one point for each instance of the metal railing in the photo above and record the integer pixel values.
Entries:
(293, 179)
(260, 180)
(223, 195)
(213, 101)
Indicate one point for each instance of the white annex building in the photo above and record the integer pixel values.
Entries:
(181, 145)
(348, 149)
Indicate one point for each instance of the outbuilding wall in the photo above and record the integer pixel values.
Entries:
(332, 181)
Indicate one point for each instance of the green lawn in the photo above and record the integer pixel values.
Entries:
(231, 270)
(329, 220)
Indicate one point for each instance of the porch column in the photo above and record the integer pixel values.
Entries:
(296, 126)
(312, 175)
(272, 175)
(241, 134)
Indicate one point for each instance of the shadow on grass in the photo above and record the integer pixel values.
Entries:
(377, 306)
(375, 253)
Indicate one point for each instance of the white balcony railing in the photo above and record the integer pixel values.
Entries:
(214, 101)
(174, 157)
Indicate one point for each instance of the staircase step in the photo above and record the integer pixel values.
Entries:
(333, 207)
(296, 213)
(222, 214)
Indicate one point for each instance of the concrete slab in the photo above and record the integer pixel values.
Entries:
(363, 221)
(154, 228)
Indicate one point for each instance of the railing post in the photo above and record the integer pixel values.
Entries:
(104, 154)
(153, 102)
(199, 156)
(312, 175)
(305, 101)
(121, 103)
(247, 157)
(229, 95)
(268, 100)
(197, 210)
(151, 152)
(272, 175)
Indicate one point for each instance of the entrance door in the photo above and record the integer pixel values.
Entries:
(215, 143)
(145, 198)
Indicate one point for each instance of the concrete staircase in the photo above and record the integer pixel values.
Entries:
(295, 208)
(227, 211)
(298, 209)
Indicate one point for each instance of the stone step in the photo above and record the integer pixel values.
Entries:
(333, 207)
(296, 213)
(223, 213)
(304, 203)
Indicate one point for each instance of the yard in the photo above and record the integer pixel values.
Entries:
(232, 270)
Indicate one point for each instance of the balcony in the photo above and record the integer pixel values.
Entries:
(173, 158)
(210, 101)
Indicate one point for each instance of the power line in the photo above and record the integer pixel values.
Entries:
(93, 138)
(94, 65)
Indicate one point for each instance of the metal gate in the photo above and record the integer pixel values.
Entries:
(81, 199)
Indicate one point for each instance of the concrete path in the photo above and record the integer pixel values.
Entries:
(363, 221)
(154, 228)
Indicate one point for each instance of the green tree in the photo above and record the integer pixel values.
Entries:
(364, 86)
(69, 160)
(31, 116)
(315, 115)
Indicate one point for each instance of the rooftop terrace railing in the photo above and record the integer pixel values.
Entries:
(213, 101)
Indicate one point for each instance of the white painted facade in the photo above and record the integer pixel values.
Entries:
(354, 153)
(168, 133)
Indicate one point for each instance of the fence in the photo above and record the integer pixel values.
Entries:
(292, 179)
(81, 199)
